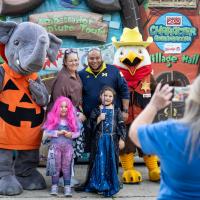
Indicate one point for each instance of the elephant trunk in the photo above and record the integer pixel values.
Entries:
(36, 59)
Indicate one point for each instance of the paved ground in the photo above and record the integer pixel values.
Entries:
(143, 191)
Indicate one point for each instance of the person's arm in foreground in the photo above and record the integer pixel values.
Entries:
(159, 100)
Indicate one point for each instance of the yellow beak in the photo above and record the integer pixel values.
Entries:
(131, 60)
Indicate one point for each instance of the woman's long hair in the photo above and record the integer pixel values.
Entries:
(192, 116)
(53, 117)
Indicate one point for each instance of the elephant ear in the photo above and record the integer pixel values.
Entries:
(54, 46)
(6, 29)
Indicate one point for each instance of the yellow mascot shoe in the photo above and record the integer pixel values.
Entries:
(151, 162)
(130, 175)
(154, 175)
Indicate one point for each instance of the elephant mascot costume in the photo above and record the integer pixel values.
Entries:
(24, 48)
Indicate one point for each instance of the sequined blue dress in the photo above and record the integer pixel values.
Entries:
(103, 176)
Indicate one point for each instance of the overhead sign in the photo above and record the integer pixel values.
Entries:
(82, 25)
(170, 59)
(173, 32)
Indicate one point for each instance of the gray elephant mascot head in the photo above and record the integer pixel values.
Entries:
(24, 48)
(27, 45)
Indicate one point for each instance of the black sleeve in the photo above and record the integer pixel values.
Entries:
(121, 127)
(92, 121)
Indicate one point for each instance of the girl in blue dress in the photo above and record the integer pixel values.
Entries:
(108, 135)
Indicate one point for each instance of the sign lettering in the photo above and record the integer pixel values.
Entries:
(160, 58)
(83, 25)
(173, 28)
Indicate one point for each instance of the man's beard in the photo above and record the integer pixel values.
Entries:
(97, 69)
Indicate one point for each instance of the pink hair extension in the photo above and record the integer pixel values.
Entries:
(53, 117)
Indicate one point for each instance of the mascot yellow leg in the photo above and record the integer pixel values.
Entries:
(151, 162)
(130, 175)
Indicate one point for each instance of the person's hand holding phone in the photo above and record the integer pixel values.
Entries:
(162, 96)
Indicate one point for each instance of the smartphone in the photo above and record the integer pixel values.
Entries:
(180, 93)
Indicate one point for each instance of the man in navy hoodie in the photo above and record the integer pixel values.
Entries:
(94, 77)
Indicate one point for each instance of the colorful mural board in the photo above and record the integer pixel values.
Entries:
(82, 25)
(107, 54)
(175, 52)
(176, 42)
(111, 22)
(50, 69)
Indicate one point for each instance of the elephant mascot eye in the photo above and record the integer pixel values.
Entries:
(16, 42)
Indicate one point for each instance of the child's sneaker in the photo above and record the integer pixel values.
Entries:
(54, 190)
(67, 191)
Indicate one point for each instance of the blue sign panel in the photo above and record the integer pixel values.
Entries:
(173, 32)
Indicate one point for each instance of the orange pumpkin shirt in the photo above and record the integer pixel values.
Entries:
(20, 116)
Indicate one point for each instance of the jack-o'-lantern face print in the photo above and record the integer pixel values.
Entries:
(19, 108)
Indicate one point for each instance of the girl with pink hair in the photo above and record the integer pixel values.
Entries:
(61, 127)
